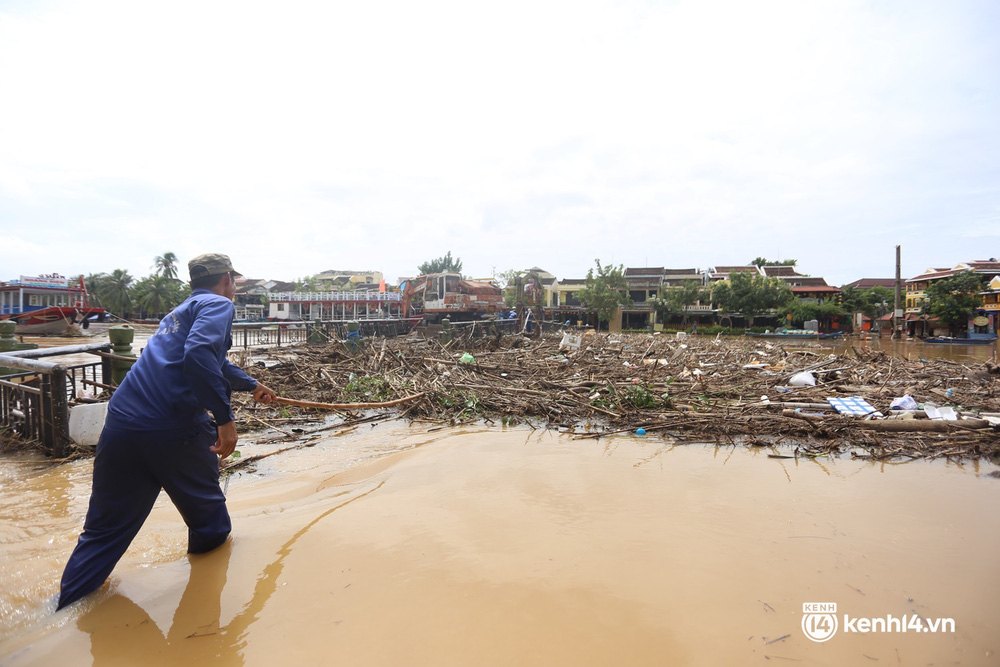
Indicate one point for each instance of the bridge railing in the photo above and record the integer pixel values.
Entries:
(35, 403)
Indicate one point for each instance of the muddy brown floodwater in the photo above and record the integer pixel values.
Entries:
(395, 545)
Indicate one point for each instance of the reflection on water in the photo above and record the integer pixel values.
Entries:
(120, 628)
(508, 546)
(903, 349)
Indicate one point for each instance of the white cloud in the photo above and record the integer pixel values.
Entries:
(379, 135)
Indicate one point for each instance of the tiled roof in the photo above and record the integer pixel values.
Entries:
(984, 266)
(816, 288)
(656, 271)
(726, 270)
(867, 283)
(806, 281)
(781, 270)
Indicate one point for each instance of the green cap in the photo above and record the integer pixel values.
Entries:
(210, 264)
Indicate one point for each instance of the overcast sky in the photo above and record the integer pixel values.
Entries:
(304, 136)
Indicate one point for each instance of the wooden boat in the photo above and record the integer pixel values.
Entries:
(961, 341)
(797, 334)
(48, 305)
(54, 320)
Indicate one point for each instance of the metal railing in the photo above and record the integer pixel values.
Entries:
(252, 334)
(275, 297)
(35, 404)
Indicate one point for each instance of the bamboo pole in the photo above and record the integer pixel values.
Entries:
(346, 406)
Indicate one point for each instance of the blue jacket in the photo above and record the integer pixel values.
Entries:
(183, 370)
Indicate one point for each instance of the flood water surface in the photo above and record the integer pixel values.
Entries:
(392, 545)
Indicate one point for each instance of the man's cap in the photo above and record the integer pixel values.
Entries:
(210, 264)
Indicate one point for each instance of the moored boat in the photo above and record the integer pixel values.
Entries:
(960, 341)
(48, 305)
(796, 333)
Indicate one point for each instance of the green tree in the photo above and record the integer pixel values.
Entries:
(761, 261)
(507, 280)
(803, 311)
(605, 290)
(166, 265)
(873, 302)
(307, 284)
(675, 300)
(952, 300)
(158, 295)
(441, 265)
(94, 284)
(115, 292)
(750, 294)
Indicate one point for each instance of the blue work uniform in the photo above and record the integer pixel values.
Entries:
(157, 435)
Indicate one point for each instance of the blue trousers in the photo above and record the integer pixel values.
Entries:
(130, 468)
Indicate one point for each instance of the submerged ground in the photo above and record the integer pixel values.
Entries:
(407, 544)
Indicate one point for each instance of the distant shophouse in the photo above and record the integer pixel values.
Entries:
(916, 323)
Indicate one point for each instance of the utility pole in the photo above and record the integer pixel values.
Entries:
(896, 314)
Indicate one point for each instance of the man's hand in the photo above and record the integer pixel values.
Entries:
(263, 394)
(226, 442)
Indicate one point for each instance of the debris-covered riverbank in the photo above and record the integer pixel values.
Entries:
(697, 389)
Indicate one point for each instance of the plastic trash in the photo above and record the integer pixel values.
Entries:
(853, 405)
(640, 431)
(803, 379)
(946, 413)
(571, 340)
(467, 358)
(905, 402)
(949, 392)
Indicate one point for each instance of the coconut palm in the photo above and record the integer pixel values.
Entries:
(166, 265)
(115, 292)
(153, 292)
(94, 284)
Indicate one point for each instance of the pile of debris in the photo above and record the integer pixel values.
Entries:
(694, 389)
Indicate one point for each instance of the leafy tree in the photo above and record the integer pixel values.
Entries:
(803, 311)
(157, 294)
(952, 300)
(115, 292)
(307, 284)
(166, 265)
(507, 280)
(605, 290)
(760, 261)
(675, 300)
(94, 284)
(873, 302)
(441, 265)
(751, 294)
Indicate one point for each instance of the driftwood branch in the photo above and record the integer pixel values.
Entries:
(347, 406)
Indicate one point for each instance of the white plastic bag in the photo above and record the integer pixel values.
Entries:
(803, 379)
(906, 402)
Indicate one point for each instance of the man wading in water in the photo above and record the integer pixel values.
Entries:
(159, 434)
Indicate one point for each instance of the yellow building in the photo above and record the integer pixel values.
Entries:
(991, 297)
(916, 287)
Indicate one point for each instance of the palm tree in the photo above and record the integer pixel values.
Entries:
(153, 293)
(115, 291)
(166, 265)
(94, 284)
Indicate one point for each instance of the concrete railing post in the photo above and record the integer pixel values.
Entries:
(121, 337)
